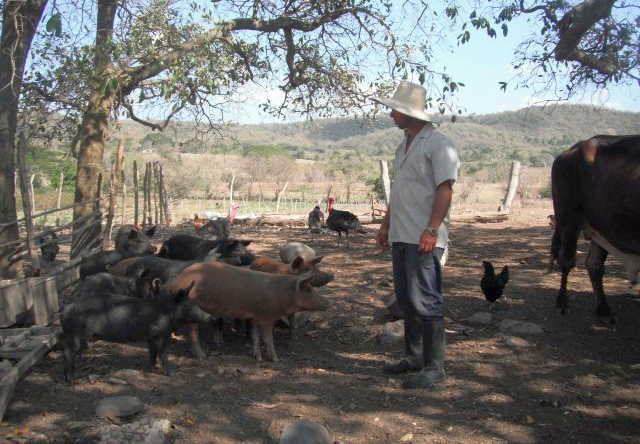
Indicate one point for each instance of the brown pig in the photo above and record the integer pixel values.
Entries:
(233, 292)
(298, 266)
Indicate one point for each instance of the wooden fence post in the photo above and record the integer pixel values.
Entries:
(116, 175)
(231, 184)
(148, 191)
(144, 195)
(154, 183)
(124, 201)
(165, 197)
(32, 194)
(136, 192)
(106, 239)
(60, 182)
(505, 207)
(27, 200)
(280, 194)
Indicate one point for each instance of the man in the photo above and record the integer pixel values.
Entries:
(426, 167)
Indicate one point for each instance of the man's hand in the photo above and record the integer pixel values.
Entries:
(382, 239)
(427, 242)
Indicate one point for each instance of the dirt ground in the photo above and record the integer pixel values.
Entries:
(576, 383)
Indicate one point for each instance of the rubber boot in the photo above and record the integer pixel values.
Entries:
(413, 345)
(433, 343)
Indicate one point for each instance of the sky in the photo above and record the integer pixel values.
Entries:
(480, 65)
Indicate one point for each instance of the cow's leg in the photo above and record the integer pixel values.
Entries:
(561, 299)
(595, 266)
(566, 245)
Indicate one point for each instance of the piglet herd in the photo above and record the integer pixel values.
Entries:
(130, 294)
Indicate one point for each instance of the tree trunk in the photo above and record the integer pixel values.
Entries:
(95, 121)
(19, 24)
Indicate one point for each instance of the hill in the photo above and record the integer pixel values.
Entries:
(533, 132)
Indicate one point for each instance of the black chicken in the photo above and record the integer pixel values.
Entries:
(342, 222)
(493, 285)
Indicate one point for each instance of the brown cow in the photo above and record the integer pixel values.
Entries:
(596, 182)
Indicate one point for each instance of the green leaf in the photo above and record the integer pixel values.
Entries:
(505, 29)
(421, 78)
(110, 85)
(54, 24)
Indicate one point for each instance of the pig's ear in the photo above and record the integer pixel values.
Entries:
(155, 285)
(316, 260)
(151, 231)
(297, 263)
(141, 273)
(304, 281)
(183, 293)
(180, 296)
(164, 250)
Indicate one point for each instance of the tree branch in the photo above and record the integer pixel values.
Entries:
(572, 28)
(153, 126)
(220, 30)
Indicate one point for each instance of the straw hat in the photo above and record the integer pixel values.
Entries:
(408, 99)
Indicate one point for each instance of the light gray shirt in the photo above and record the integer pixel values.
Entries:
(430, 160)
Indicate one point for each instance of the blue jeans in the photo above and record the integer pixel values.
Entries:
(417, 281)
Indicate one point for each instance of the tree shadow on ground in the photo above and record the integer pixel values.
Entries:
(576, 382)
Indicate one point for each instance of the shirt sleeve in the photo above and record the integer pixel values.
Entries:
(445, 162)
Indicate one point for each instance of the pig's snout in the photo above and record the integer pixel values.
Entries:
(321, 279)
(196, 314)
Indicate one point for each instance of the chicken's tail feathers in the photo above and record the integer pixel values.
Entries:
(488, 266)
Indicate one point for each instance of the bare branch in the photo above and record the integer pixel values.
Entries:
(153, 126)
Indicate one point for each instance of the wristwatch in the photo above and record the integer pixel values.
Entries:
(432, 231)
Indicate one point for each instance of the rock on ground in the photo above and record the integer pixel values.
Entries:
(392, 333)
(481, 317)
(119, 406)
(305, 432)
(520, 327)
(144, 431)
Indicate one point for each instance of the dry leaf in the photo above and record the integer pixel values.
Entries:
(265, 406)
(407, 437)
